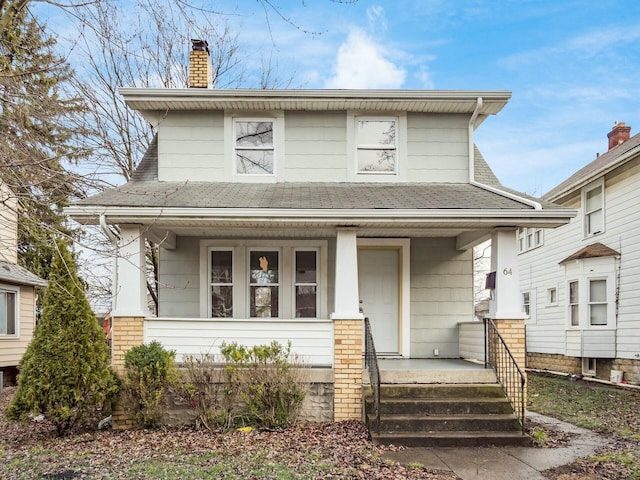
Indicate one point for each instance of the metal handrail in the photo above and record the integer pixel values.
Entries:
(371, 363)
(510, 376)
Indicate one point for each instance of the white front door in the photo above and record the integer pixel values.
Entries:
(378, 285)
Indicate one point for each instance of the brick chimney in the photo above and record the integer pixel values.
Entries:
(620, 133)
(200, 74)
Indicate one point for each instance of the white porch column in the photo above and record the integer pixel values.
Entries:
(347, 331)
(131, 283)
(347, 298)
(506, 300)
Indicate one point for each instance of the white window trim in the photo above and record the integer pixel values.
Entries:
(547, 301)
(400, 173)
(294, 283)
(16, 290)
(583, 271)
(587, 188)
(523, 233)
(241, 299)
(229, 124)
(533, 302)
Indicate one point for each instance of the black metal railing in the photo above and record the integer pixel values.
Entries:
(371, 364)
(510, 376)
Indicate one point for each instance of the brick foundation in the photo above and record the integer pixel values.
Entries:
(513, 333)
(347, 402)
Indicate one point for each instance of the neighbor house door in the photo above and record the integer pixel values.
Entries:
(378, 285)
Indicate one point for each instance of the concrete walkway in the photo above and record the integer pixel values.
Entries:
(505, 463)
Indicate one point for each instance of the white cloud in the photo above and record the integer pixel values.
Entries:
(363, 63)
(375, 17)
(425, 77)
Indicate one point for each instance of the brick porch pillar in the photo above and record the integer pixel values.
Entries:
(347, 330)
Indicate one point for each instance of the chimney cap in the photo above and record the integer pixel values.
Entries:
(200, 45)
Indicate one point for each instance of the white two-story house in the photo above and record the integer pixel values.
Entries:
(17, 292)
(285, 214)
(580, 283)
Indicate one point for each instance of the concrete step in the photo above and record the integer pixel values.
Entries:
(441, 391)
(443, 423)
(453, 439)
(422, 406)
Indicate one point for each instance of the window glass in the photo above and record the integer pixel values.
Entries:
(222, 284)
(263, 284)
(376, 140)
(598, 302)
(552, 296)
(529, 238)
(7, 313)
(306, 284)
(526, 303)
(594, 215)
(573, 304)
(254, 147)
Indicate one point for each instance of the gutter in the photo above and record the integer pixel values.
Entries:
(472, 181)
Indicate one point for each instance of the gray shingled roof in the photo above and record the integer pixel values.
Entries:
(591, 171)
(144, 190)
(15, 274)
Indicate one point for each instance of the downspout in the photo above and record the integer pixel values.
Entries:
(472, 180)
(114, 272)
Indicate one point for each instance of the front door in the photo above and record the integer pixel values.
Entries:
(378, 285)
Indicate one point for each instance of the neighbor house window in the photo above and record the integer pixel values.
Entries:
(221, 283)
(598, 302)
(254, 146)
(306, 283)
(8, 311)
(529, 238)
(552, 296)
(574, 309)
(593, 202)
(526, 303)
(376, 144)
(264, 283)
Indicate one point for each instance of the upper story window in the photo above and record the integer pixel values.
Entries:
(254, 146)
(593, 211)
(529, 238)
(376, 145)
(8, 311)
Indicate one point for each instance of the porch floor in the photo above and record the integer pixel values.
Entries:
(433, 370)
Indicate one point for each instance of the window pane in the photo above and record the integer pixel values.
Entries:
(221, 301)
(376, 132)
(376, 160)
(305, 267)
(254, 134)
(574, 315)
(594, 199)
(594, 222)
(221, 267)
(573, 292)
(598, 314)
(598, 291)
(264, 302)
(264, 267)
(305, 302)
(254, 161)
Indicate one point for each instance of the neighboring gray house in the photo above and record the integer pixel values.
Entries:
(280, 213)
(580, 282)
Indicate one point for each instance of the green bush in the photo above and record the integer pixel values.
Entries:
(149, 371)
(65, 373)
(269, 382)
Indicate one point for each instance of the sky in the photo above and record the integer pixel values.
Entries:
(573, 66)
